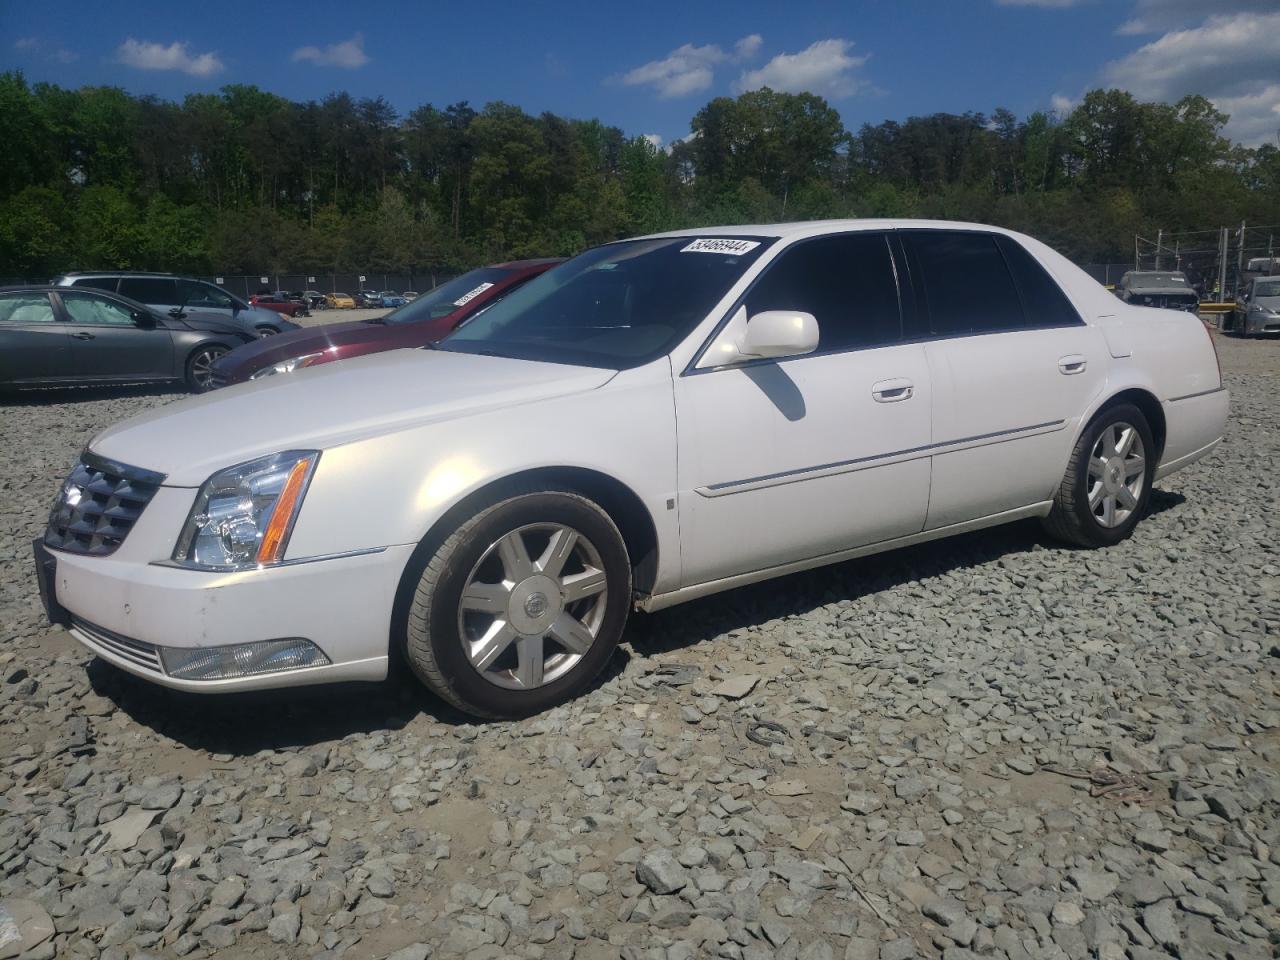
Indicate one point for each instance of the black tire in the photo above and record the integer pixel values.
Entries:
(202, 358)
(1072, 520)
(432, 642)
(265, 331)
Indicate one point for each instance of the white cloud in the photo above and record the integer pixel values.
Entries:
(1233, 60)
(349, 54)
(825, 67)
(688, 69)
(63, 55)
(1057, 4)
(748, 47)
(26, 43)
(176, 56)
(1062, 104)
(1158, 16)
(653, 138)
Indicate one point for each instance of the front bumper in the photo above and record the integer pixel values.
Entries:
(122, 610)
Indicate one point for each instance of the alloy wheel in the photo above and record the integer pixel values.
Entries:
(533, 606)
(202, 366)
(1117, 474)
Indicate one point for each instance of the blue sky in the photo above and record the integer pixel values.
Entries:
(647, 67)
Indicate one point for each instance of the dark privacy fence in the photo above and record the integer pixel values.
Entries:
(247, 286)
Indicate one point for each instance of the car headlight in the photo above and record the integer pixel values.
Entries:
(243, 516)
(287, 366)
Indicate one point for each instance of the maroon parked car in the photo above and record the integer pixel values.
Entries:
(419, 322)
(280, 303)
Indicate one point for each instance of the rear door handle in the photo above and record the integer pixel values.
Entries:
(1072, 364)
(83, 336)
(892, 391)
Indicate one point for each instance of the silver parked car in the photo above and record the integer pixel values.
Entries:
(1258, 311)
(177, 296)
(1158, 288)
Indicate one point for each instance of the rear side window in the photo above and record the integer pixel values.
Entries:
(847, 282)
(86, 308)
(152, 290)
(97, 283)
(1042, 299)
(25, 308)
(966, 284)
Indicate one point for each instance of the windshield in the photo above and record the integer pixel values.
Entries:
(447, 297)
(1157, 280)
(1269, 289)
(616, 306)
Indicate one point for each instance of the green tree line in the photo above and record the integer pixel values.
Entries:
(244, 181)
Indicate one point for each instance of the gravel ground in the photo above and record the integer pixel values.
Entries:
(988, 746)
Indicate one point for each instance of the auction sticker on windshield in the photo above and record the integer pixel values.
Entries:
(466, 298)
(720, 246)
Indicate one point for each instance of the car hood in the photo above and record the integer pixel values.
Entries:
(1162, 291)
(329, 405)
(210, 322)
(296, 343)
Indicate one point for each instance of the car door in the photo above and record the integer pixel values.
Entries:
(790, 459)
(1013, 367)
(33, 344)
(108, 342)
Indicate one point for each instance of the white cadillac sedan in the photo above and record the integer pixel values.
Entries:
(654, 420)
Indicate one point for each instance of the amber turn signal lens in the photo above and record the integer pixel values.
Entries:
(277, 531)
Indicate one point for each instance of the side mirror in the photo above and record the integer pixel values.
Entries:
(144, 320)
(773, 333)
(177, 312)
(780, 333)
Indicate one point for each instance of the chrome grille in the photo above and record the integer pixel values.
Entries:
(98, 505)
(99, 639)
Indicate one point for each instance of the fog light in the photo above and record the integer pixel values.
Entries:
(241, 659)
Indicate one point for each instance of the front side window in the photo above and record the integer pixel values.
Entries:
(25, 308)
(199, 295)
(966, 284)
(86, 308)
(617, 306)
(846, 282)
(151, 290)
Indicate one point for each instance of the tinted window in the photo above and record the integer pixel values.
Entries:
(846, 282)
(204, 296)
(1042, 299)
(25, 308)
(155, 290)
(616, 306)
(966, 285)
(98, 283)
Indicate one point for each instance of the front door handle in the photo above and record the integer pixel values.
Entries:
(83, 336)
(892, 391)
(1072, 364)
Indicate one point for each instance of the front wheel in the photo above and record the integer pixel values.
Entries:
(200, 367)
(265, 331)
(1108, 480)
(522, 606)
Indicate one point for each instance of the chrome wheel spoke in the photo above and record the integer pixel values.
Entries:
(1095, 495)
(571, 633)
(515, 556)
(1097, 467)
(1125, 443)
(529, 672)
(559, 550)
(493, 644)
(588, 583)
(1126, 498)
(1108, 511)
(1135, 467)
(486, 597)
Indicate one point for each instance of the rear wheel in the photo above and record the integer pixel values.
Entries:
(1108, 480)
(200, 366)
(265, 331)
(522, 606)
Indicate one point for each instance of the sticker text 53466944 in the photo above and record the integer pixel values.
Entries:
(720, 245)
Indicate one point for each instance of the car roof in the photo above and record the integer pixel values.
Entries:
(806, 228)
(121, 273)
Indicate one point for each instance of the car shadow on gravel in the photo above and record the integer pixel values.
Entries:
(242, 724)
(58, 395)
(800, 593)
